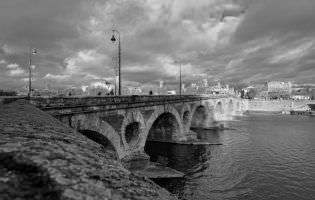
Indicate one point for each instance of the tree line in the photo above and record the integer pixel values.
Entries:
(7, 93)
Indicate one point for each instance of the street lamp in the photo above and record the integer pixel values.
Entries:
(31, 52)
(180, 78)
(113, 39)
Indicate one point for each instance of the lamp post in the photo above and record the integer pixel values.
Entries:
(31, 52)
(180, 78)
(113, 39)
(115, 76)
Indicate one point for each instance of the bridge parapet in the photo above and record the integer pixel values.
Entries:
(61, 106)
(44, 101)
(47, 102)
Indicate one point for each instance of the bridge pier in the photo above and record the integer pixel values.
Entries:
(136, 161)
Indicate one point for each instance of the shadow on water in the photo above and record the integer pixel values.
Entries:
(262, 157)
(189, 159)
(212, 136)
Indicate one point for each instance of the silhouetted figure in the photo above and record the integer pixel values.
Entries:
(150, 93)
(111, 92)
(99, 93)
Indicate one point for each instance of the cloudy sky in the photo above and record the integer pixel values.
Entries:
(232, 41)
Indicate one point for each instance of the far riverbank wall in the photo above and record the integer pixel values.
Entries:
(277, 106)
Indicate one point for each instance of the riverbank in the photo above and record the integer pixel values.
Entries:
(43, 159)
(277, 106)
(309, 113)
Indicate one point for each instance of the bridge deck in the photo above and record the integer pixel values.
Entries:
(84, 100)
(110, 100)
(60, 106)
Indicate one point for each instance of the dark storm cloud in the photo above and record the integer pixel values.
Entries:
(40, 22)
(277, 17)
(49, 26)
(240, 41)
(274, 41)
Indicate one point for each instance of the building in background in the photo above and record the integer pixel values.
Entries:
(219, 90)
(279, 90)
(135, 91)
(95, 88)
(161, 84)
(205, 82)
(303, 91)
(99, 88)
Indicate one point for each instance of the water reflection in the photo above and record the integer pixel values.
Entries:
(190, 159)
(179, 157)
(263, 157)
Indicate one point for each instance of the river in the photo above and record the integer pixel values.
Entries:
(262, 157)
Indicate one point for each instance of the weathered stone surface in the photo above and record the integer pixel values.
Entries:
(156, 170)
(40, 158)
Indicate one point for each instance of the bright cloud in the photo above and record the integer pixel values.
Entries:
(2, 61)
(13, 66)
(296, 53)
(232, 41)
(56, 77)
(17, 72)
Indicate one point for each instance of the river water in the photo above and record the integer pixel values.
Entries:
(262, 157)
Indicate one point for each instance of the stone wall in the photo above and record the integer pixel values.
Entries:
(277, 105)
(43, 159)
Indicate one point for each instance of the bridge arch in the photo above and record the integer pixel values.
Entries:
(185, 113)
(133, 130)
(230, 108)
(98, 130)
(238, 106)
(164, 121)
(218, 110)
(199, 115)
(231, 103)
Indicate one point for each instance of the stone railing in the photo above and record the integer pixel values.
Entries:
(75, 101)
(69, 102)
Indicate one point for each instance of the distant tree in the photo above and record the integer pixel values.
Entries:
(238, 87)
(8, 93)
(242, 94)
(251, 94)
(313, 94)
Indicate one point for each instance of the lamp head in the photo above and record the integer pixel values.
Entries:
(113, 39)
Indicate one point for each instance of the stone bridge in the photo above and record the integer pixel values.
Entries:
(125, 123)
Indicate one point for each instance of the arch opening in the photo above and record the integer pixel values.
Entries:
(200, 116)
(165, 127)
(132, 133)
(219, 108)
(100, 139)
(230, 106)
